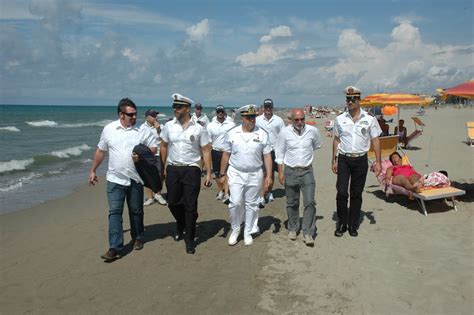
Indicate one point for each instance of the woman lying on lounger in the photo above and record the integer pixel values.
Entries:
(403, 175)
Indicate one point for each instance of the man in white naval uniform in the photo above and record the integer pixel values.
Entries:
(246, 150)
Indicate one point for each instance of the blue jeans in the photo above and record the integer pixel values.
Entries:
(297, 180)
(116, 196)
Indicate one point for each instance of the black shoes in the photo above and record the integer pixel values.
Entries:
(190, 247)
(138, 245)
(353, 231)
(340, 230)
(111, 255)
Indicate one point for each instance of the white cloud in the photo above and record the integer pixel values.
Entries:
(128, 52)
(279, 31)
(266, 54)
(198, 31)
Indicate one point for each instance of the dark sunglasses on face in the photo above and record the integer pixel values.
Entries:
(352, 99)
(177, 106)
(298, 119)
(130, 114)
(219, 111)
(249, 116)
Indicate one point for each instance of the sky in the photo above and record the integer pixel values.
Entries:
(230, 52)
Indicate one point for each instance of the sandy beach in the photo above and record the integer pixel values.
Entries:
(402, 262)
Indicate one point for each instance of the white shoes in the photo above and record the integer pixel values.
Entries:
(149, 202)
(233, 237)
(292, 235)
(160, 200)
(248, 239)
(309, 241)
(269, 197)
(219, 195)
(226, 199)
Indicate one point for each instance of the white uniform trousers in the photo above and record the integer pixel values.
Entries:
(244, 188)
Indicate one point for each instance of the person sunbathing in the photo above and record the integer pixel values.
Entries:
(403, 175)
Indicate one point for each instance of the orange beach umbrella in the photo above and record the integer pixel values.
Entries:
(396, 99)
(465, 90)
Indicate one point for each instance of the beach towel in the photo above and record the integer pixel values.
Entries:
(436, 180)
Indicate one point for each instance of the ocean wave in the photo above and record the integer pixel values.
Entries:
(10, 128)
(161, 115)
(27, 179)
(42, 123)
(53, 124)
(74, 151)
(101, 123)
(15, 165)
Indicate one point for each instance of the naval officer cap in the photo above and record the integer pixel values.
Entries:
(180, 100)
(248, 110)
(352, 91)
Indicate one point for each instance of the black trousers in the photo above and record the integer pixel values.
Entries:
(353, 170)
(183, 184)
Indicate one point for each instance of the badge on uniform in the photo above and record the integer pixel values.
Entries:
(257, 139)
(364, 131)
(192, 138)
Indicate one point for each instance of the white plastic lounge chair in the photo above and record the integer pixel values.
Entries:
(329, 125)
(417, 132)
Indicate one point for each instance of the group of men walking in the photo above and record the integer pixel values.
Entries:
(243, 159)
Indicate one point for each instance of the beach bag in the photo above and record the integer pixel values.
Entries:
(436, 179)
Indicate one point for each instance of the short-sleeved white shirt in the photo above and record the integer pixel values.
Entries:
(296, 150)
(355, 137)
(217, 132)
(273, 126)
(247, 148)
(153, 130)
(184, 145)
(203, 119)
(119, 143)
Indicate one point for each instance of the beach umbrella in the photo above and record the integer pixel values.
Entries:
(396, 99)
(389, 110)
(465, 90)
(369, 98)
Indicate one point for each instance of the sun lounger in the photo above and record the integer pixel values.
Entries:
(389, 145)
(417, 132)
(329, 125)
(470, 132)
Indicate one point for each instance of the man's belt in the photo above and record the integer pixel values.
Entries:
(353, 155)
(299, 168)
(182, 164)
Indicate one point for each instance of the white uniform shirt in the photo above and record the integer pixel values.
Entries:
(203, 119)
(217, 132)
(273, 126)
(246, 148)
(355, 137)
(296, 150)
(119, 142)
(146, 126)
(184, 145)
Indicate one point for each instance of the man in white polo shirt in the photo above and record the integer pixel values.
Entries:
(294, 149)
(183, 142)
(273, 124)
(123, 182)
(246, 151)
(354, 131)
(217, 129)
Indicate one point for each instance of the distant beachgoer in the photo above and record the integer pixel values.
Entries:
(123, 182)
(403, 175)
(294, 149)
(246, 152)
(198, 116)
(273, 124)
(153, 125)
(383, 126)
(354, 131)
(217, 130)
(183, 142)
(401, 131)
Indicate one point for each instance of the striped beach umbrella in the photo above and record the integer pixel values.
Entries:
(397, 99)
(465, 90)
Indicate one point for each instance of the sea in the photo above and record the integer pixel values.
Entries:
(47, 150)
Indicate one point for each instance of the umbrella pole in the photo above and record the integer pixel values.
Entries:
(398, 120)
(429, 154)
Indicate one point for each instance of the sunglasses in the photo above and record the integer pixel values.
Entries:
(352, 99)
(298, 119)
(130, 114)
(249, 116)
(219, 111)
(177, 106)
